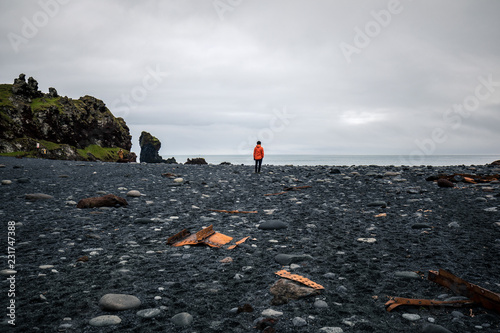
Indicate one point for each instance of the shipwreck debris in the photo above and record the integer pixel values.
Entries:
(299, 278)
(205, 236)
(475, 294)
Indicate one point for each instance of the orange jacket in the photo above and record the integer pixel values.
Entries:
(258, 152)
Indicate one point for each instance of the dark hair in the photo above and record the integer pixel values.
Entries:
(258, 142)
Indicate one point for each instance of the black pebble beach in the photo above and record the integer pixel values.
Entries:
(364, 233)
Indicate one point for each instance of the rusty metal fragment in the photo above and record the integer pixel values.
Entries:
(477, 294)
(394, 302)
(205, 236)
(241, 241)
(298, 278)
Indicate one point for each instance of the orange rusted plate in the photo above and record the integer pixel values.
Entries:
(205, 233)
(298, 278)
(217, 240)
(469, 180)
(241, 241)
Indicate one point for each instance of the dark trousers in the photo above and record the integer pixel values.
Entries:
(258, 164)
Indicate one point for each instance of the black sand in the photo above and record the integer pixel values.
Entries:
(425, 228)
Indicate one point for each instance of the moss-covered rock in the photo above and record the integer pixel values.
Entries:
(83, 129)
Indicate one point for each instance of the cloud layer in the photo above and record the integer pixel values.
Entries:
(322, 77)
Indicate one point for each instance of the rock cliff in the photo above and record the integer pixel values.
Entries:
(150, 147)
(35, 124)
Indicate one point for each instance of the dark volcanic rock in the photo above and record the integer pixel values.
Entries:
(109, 200)
(196, 161)
(64, 128)
(150, 146)
(285, 290)
(445, 183)
(273, 225)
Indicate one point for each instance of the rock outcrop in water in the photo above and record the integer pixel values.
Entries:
(150, 147)
(35, 124)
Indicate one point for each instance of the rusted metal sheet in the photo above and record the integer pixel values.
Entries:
(298, 278)
(241, 241)
(394, 302)
(205, 236)
(484, 297)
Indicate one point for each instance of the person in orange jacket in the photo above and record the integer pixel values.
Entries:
(258, 155)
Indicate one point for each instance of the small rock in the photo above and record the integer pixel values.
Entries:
(273, 225)
(38, 196)
(331, 330)
(7, 272)
(133, 193)
(445, 183)
(407, 275)
(179, 180)
(105, 321)
(381, 204)
(320, 304)
(46, 266)
(299, 322)
(285, 290)
(23, 180)
(454, 225)
(287, 259)
(367, 240)
(118, 302)
(148, 313)
(432, 328)
(411, 316)
(6, 182)
(183, 319)
(272, 313)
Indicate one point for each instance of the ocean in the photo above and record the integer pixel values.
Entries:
(348, 160)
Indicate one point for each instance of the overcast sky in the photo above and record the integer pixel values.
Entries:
(305, 77)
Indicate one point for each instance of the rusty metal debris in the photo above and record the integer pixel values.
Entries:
(205, 236)
(299, 278)
(233, 211)
(466, 178)
(475, 294)
(288, 189)
(394, 302)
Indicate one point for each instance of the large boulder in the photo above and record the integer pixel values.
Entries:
(150, 146)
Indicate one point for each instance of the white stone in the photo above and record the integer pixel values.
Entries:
(6, 182)
(133, 193)
(271, 313)
(178, 180)
(182, 319)
(8, 272)
(331, 330)
(46, 266)
(411, 316)
(367, 240)
(105, 321)
(298, 322)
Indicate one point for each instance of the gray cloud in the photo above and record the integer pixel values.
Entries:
(207, 79)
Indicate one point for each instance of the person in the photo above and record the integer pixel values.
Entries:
(120, 154)
(258, 155)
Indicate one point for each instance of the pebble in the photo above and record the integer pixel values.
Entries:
(411, 316)
(320, 304)
(183, 319)
(106, 320)
(178, 180)
(299, 322)
(271, 313)
(273, 225)
(367, 240)
(432, 328)
(37, 196)
(46, 266)
(118, 302)
(6, 182)
(287, 259)
(379, 203)
(148, 313)
(407, 275)
(454, 225)
(7, 272)
(331, 330)
(133, 193)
